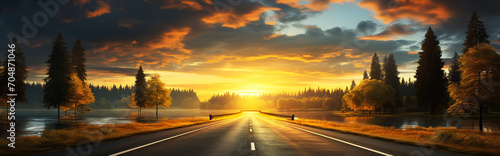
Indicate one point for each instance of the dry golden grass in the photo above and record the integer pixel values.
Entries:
(449, 138)
(84, 134)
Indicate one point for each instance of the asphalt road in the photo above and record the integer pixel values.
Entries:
(250, 134)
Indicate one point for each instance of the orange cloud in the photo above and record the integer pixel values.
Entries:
(390, 33)
(231, 20)
(271, 36)
(413, 52)
(424, 11)
(172, 40)
(320, 5)
(103, 9)
(312, 5)
(183, 4)
(112, 59)
(271, 22)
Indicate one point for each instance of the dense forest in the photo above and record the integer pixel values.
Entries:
(307, 99)
(110, 97)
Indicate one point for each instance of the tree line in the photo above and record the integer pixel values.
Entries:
(111, 97)
(470, 82)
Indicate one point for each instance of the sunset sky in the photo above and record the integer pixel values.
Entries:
(249, 47)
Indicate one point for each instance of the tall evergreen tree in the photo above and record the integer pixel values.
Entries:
(476, 33)
(391, 72)
(365, 75)
(454, 73)
(430, 83)
(78, 60)
(353, 84)
(58, 81)
(140, 90)
(20, 74)
(382, 76)
(375, 71)
(391, 77)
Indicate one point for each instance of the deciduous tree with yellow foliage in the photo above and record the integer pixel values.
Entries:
(157, 94)
(472, 64)
(370, 95)
(80, 95)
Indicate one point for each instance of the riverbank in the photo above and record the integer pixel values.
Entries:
(451, 139)
(53, 140)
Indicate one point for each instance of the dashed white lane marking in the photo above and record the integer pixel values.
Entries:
(342, 141)
(252, 146)
(172, 137)
(250, 130)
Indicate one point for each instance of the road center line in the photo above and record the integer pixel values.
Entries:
(172, 137)
(342, 141)
(252, 146)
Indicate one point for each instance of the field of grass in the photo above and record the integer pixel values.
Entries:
(85, 134)
(452, 139)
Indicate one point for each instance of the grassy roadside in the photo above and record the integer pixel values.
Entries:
(80, 135)
(452, 139)
(412, 114)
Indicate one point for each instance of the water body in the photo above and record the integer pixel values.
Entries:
(35, 121)
(401, 122)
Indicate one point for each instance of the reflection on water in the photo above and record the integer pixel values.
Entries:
(400, 122)
(35, 121)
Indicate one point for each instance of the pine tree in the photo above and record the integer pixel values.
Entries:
(58, 81)
(454, 73)
(375, 71)
(391, 72)
(391, 77)
(140, 90)
(365, 76)
(20, 74)
(353, 84)
(476, 33)
(78, 60)
(430, 83)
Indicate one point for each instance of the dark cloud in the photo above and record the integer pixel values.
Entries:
(391, 33)
(114, 70)
(366, 27)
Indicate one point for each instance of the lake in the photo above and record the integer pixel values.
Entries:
(400, 122)
(35, 121)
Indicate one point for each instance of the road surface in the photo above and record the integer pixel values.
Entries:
(249, 134)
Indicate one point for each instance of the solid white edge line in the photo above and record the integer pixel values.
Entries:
(252, 146)
(342, 141)
(172, 137)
